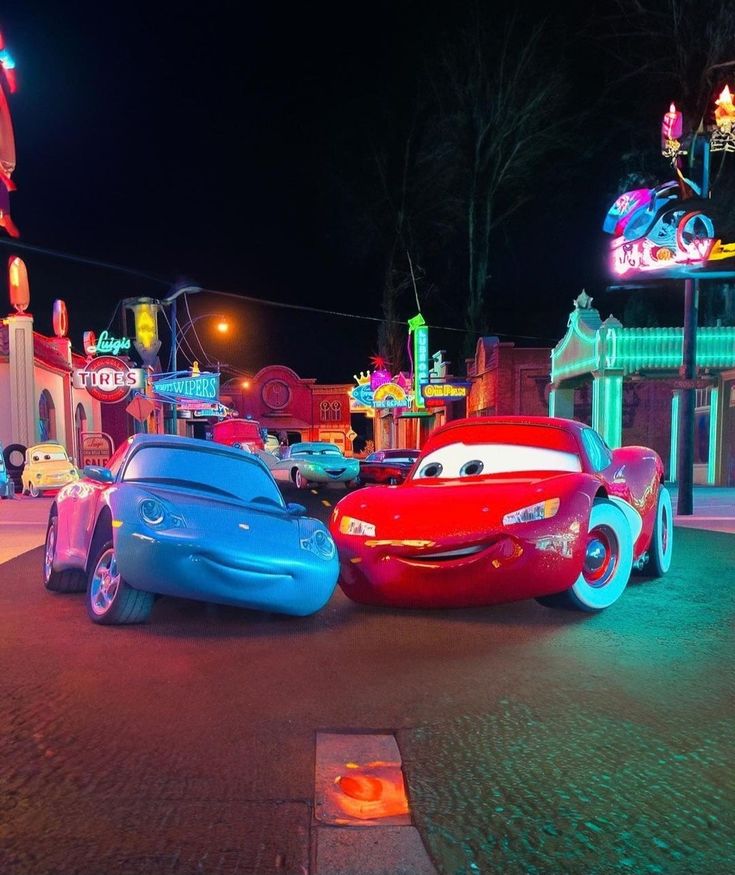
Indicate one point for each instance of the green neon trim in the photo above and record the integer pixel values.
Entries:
(714, 410)
(674, 451)
(575, 368)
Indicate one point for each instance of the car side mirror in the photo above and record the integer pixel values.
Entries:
(295, 509)
(98, 474)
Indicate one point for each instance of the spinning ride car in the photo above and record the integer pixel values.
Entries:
(669, 228)
(177, 516)
(47, 466)
(312, 464)
(505, 508)
(387, 466)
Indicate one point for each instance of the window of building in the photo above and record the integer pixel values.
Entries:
(46, 417)
(330, 411)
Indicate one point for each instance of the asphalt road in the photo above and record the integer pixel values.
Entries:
(533, 741)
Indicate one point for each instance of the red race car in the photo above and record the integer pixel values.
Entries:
(499, 509)
(387, 466)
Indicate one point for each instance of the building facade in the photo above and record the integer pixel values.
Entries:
(292, 407)
(38, 399)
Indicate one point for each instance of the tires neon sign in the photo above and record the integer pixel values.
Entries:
(108, 379)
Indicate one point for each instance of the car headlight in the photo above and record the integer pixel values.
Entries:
(155, 514)
(543, 510)
(316, 540)
(348, 525)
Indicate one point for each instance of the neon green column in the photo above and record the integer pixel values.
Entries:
(714, 413)
(607, 406)
(561, 402)
(674, 452)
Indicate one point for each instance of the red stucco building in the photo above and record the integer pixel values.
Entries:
(282, 401)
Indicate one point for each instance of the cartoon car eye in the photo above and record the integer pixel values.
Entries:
(433, 469)
(471, 469)
(36, 458)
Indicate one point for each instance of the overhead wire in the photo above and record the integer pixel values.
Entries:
(13, 243)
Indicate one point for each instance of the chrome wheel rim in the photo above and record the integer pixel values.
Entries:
(48, 556)
(34, 490)
(105, 583)
(601, 557)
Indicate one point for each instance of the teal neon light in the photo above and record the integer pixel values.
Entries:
(714, 410)
(674, 452)
(420, 330)
(636, 349)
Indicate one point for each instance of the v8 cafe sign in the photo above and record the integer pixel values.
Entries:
(108, 378)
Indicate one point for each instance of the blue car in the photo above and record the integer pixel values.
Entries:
(177, 516)
(7, 486)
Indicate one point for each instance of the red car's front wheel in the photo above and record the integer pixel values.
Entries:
(607, 564)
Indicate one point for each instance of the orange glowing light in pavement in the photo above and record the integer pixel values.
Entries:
(372, 791)
(223, 326)
(245, 384)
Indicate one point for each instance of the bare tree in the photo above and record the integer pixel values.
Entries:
(501, 93)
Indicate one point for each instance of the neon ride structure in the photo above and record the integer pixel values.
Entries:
(667, 232)
(7, 139)
(677, 231)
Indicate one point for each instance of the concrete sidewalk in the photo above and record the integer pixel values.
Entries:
(714, 509)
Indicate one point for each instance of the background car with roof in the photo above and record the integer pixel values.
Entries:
(47, 466)
(312, 463)
(507, 508)
(387, 466)
(182, 517)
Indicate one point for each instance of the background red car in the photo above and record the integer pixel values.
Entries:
(387, 466)
(506, 508)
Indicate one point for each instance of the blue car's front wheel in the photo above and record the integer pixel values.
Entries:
(110, 600)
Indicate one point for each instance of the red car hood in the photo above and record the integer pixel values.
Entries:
(450, 511)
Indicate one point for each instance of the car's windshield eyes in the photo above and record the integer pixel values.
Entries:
(473, 460)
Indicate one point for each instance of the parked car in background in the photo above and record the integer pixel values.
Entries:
(47, 466)
(178, 516)
(239, 433)
(7, 487)
(312, 464)
(387, 466)
(272, 444)
(504, 508)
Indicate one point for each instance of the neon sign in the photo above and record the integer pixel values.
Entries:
(390, 395)
(449, 391)
(108, 379)
(199, 387)
(631, 256)
(105, 344)
(420, 330)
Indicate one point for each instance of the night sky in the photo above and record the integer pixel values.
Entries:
(228, 144)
